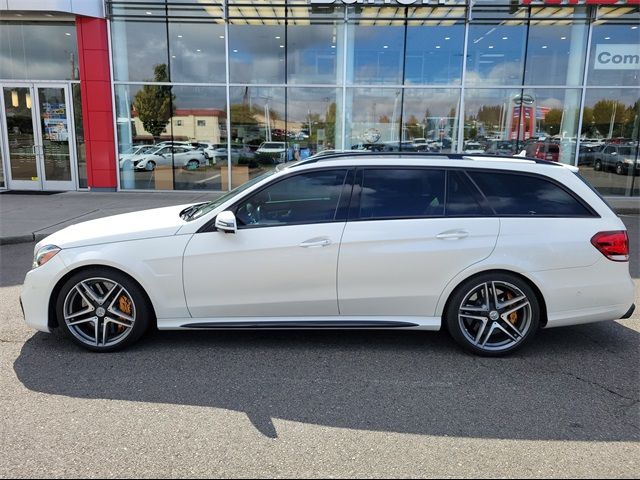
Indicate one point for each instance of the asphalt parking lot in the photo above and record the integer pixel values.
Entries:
(309, 404)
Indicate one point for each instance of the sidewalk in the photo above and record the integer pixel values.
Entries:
(28, 217)
(25, 217)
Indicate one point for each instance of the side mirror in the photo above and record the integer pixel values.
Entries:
(226, 222)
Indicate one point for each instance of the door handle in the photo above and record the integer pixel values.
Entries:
(315, 242)
(453, 235)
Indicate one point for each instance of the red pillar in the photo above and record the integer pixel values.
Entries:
(97, 107)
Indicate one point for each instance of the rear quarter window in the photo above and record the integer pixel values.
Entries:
(527, 195)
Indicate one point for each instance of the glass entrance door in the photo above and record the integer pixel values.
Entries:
(39, 143)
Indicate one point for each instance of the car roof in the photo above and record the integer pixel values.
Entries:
(385, 159)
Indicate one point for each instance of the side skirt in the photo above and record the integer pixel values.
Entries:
(299, 323)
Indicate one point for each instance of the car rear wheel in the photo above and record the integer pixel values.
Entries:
(193, 164)
(619, 169)
(493, 314)
(102, 310)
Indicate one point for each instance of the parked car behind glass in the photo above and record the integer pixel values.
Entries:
(617, 158)
(543, 151)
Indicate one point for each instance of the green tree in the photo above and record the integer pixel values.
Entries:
(606, 112)
(154, 103)
(413, 128)
(330, 125)
(552, 120)
(490, 115)
(242, 114)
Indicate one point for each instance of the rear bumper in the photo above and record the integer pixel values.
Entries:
(629, 312)
(601, 292)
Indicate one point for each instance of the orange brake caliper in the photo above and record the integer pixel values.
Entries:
(124, 304)
(513, 317)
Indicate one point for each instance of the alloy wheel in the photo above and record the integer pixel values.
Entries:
(495, 316)
(99, 312)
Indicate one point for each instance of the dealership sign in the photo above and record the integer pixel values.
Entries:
(617, 56)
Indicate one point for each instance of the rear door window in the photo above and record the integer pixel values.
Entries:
(462, 196)
(401, 193)
(527, 195)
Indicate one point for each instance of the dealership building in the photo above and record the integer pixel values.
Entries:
(181, 94)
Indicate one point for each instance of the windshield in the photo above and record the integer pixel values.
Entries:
(204, 208)
(138, 149)
(272, 145)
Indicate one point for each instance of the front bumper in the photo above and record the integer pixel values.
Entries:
(36, 292)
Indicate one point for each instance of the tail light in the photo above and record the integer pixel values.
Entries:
(613, 245)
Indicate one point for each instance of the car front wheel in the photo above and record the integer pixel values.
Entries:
(192, 164)
(102, 310)
(493, 314)
(597, 166)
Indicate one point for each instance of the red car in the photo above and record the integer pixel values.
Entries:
(544, 151)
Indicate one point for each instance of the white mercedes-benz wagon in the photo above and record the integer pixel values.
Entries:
(490, 248)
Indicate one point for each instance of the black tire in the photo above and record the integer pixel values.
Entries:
(597, 166)
(150, 166)
(140, 307)
(620, 169)
(461, 328)
(193, 164)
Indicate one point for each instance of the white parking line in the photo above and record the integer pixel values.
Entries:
(208, 178)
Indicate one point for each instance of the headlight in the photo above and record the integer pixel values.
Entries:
(44, 254)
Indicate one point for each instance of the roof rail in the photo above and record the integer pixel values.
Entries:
(451, 156)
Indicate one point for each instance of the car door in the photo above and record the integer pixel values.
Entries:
(282, 260)
(401, 246)
(609, 157)
(163, 156)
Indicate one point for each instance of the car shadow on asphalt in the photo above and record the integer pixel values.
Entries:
(575, 383)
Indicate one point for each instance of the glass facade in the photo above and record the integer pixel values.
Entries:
(36, 58)
(38, 51)
(243, 86)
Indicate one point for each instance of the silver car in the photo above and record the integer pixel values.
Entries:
(166, 155)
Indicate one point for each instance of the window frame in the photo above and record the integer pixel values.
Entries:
(591, 211)
(488, 211)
